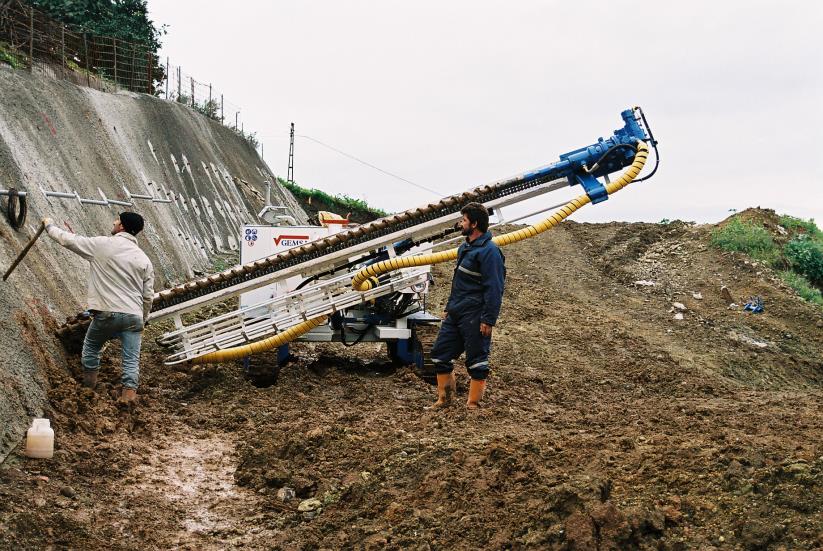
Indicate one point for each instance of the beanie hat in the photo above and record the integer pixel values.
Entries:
(132, 222)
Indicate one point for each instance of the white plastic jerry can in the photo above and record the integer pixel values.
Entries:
(40, 439)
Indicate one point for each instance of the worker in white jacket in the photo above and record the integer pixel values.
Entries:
(119, 295)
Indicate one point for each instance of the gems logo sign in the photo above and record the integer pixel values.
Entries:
(290, 240)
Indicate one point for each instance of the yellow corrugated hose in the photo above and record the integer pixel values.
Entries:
(261, 346)
(365, 278)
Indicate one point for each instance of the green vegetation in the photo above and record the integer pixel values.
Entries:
(796, 224)
(7, 55)
(250, 137)
(209, 108)
(745, 237)
(805, 254)
(802, 251)
(71, 64)
(221, 263)
(121, 19)
(802, 287)
(341, 203)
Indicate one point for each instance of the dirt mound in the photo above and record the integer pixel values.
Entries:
(766, 218)
(629, 407)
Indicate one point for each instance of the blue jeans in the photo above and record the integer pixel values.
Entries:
(461, 333)
(106, 326)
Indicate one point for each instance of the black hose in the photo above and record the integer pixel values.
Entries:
(656, 164)
(654, 146)
(358, 340)
(309, 280)
(402, 304)
(611, 150)
(333, 270)
(16, 213)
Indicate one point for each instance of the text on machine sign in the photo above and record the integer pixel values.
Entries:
(291, 240)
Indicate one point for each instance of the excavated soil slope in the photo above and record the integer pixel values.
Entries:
(608, 424)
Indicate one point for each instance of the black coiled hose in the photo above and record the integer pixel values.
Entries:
(16, 209)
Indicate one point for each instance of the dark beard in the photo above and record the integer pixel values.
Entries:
(467, 232)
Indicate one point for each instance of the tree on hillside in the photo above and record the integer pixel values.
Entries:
(126, 20)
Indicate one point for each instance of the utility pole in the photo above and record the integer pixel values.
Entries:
(290, 173)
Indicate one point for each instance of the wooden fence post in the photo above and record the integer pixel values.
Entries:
(115, 62)
(191, 79)
(63, 48)
(31, 39)
(132, 72)
(86, 51)
(151, 62)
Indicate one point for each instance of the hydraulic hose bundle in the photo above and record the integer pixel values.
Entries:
(365, 278)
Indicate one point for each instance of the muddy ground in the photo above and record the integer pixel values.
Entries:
(608, 424)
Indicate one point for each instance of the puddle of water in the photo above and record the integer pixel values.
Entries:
(196, 476)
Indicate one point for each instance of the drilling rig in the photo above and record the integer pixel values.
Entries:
(368, 283)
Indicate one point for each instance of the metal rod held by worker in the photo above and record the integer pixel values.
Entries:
(24, 251)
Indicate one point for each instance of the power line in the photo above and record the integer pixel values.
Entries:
(386, 172)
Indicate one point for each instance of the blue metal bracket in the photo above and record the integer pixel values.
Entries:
(603, 157)
(594, 189)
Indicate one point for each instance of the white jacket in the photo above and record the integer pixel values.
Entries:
(121, 278)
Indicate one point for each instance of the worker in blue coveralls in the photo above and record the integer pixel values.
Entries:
(472, 310)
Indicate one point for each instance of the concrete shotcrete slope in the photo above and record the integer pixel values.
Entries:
(66, 138)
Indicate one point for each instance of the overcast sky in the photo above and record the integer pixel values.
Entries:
(455, 94)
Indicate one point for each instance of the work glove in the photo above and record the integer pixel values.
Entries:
(47, 221)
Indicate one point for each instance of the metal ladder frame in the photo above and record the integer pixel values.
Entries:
(284, 311)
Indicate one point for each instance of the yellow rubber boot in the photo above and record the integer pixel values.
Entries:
(446, 389)
(476, 389)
